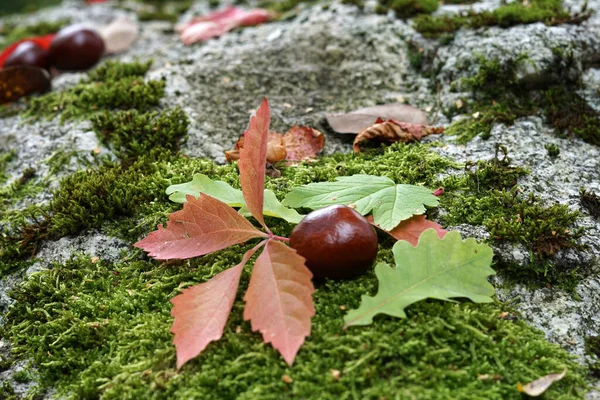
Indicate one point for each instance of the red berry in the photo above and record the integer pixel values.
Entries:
(28, 53)
(336, 241)
(75, 48)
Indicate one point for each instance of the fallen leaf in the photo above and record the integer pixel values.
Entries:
(437, 268)
(359, 120)
(220, 22)
(302, 143)
(390, 203)
(539, 386)
(393, 131)
(22, 80)
(252, 161)
(232, 197)
(200, 312)
(203, 226)
(412, 228)
(119, 35)
(279, 299)
(42, 41)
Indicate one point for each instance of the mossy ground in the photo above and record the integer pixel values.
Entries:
(97, 328)
(11, 32)
(550, 12)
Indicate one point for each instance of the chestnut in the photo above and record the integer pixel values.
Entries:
(75, 48)
(336, 241)
(28, 53)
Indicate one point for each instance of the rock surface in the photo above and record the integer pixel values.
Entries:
(336, 60)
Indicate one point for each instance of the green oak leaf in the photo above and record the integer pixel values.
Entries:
(436, 268)
(389, 202)
(233, 197)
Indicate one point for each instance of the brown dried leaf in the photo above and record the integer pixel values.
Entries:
(302, 143)
(394, 131)
(19, 81)
(539, 386)
(275, 149)
(360, 119)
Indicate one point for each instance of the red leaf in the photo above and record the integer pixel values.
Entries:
(279, 299)
(219, 22)
(42, 41)
(203, 226)
(201, 311)
(411, 229)
(302, 143)
(253, 158)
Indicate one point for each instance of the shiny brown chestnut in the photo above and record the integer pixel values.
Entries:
(336, 241)
(28, 53)
(75, 48)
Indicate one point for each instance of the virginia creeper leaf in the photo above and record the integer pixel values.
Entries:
(389, 202)
(203, 226)
(437, 268)
(231, 196)
(200, 312)
(279, 299)
(412, 228)
(253, 158)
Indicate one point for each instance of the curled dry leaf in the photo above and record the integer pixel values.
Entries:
(119, 35)
(360, 119)
(539, 386)
(21, 80)
(393, 131)
(218, 23)
(302, 144)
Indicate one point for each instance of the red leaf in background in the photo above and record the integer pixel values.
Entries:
(411, 229)
(203, 226)
(42, 41)
(275, 149)
(252, 164)
(201, 312)
(302, 143)
(219, 22)
(279, 299)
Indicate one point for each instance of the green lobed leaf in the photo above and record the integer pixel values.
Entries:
(389, 202)
(231, 196)
(437, 268)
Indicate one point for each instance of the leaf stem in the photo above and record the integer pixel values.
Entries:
(280, 238)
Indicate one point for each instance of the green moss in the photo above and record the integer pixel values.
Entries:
(112, 86)
(283, 6)
(571, 115)
(550, 12)
(591, 201)
(7, 392)
(592, 347)
(12, 32)
(131, 134)
(407, 8)
(102, 330)
(490, 198)
(158, 15)
(552, 149)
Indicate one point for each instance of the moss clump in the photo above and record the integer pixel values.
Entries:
(12, 33)
(549, 12)
(112, 86)
(570, 114)
(490, 198)
(98, 329)
(131, 134)
(552, 149)
(158, 15)
(592, 347)
(407, 8)
(591, 201)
